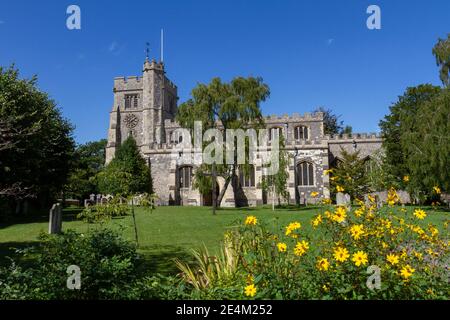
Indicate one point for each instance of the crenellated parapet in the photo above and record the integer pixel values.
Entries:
(295, 117)
(344, 138)
(127, 83)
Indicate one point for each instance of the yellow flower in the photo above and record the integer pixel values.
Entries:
(314, 194)
(339, 214)
(406, 179)
(323, 264)
(325, 288)
(360, 258)
(327, 172)
(250, 290)
(407, 271)
(282, 246)
(420, 214)
(340, 189)
(434, 231)
(250, 279)
(437, 190)
(251, 220)
(392, 197)
(371, 198)
(357, 231)
(341, 254)
(317, 221)
(301, 248)
(392, 259)
(326, 201)
(418, 255)
(359, 212)
(292, 227)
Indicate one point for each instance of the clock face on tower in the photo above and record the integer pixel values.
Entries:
(131, 121)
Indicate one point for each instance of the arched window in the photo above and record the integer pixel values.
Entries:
(272, 132)
(185, 177)
(301, 133)
(305, 174)
(247, 180)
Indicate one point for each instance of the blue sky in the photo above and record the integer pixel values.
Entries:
(310, 53)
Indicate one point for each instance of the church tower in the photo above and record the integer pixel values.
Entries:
(141, 104)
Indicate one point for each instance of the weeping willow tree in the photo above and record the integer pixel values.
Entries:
(278, 183)
(442, 53)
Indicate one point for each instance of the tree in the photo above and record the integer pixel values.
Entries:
(88, 160)
(127, 173)
(442, 53)
(347, 130)
(350, 175)
(428, 146)
(403, 118)
(331, 122)
(234, 105)
(279, 181)
(36, 142)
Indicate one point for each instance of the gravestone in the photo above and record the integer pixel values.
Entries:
(342, 199)
(404, 197)
(55, 219)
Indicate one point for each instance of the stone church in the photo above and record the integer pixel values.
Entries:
(145, 107)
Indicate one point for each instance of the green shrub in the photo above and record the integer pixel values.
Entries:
(116, 207)
(109, 268)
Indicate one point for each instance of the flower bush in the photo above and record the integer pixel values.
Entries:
(331, 259)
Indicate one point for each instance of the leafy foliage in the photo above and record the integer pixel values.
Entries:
(404, 117)
(350, 175)
(36, 142)
(235, 105)
(332, 124)
(331, 261)
(279, 181)
(127, 173)
(428, 145)
(87, 162)
(108, 265)
(442, 53)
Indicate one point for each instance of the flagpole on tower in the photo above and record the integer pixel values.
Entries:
(162, 45)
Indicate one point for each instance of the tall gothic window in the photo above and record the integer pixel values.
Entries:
(305, 174)
(247, 180)
(131, 101)
(301, 133)
(185, 176)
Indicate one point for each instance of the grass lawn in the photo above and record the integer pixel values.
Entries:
(169, 232)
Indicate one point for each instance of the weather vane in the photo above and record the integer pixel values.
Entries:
(147, 49)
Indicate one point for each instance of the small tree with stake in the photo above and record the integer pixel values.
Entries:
(127, 174)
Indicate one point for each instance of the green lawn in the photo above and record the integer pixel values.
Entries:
(168, 232)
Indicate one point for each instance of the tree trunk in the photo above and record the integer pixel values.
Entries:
(222, 192)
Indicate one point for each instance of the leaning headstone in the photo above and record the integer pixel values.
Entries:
(92, 197)
(342, 199)
(55, 219)
(99, 199)
(404, 196)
